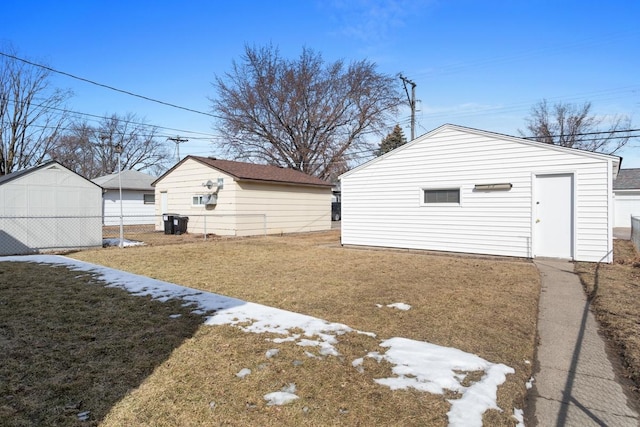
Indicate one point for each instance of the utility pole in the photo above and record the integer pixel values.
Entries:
(412, 103)
(119, 149)
(178, 141)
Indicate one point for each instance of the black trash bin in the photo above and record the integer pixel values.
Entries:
(168, 219)
(180, 224)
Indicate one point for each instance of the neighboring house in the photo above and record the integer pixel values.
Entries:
(138, 198)
(335, 202)
(46, 208)
(466, 190)
(626, 191)
(225, 197)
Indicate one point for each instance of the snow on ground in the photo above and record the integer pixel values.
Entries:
(125, 242)
(416, 364)
(398, 305)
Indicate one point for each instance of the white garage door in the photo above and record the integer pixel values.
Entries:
(626, 204)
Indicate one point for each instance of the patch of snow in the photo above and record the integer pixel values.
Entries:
(518, 414)
(243, 372)
(175, 316)
(278, 398)
(358, 364)
(529, 383)
(272, 352)
(125, 242)
(379, 305)
(400, 306)
(84, 416)
(432, 368)
(287, 339)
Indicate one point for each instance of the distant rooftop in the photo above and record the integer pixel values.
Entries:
(131, 180)
(628, 179)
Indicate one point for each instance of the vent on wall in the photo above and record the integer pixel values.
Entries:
(493, 187)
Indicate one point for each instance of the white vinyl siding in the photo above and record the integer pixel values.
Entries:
(627, 203)
(134, 208)
(379, 206)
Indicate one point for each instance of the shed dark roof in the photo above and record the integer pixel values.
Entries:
(628, 179)
(253, 172)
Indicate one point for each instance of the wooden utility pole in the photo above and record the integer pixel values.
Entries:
(412, 103)
(178, 141)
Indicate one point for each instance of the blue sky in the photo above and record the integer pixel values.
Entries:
(481, 64)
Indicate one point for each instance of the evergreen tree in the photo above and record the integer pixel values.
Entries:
(392, 141)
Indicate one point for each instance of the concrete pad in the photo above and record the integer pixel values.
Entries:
(583, 390)
(576, 384)
(553, 413)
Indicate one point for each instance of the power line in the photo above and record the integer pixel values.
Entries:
(121, 120)
(126, 92)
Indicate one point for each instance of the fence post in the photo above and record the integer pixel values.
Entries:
(635, 232)
(264, 219)
(205, 227)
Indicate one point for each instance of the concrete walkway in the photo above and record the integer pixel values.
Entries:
(575, 383)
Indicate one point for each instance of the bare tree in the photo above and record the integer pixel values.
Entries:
(31, 113)
(303, 114)
(574, 126)
(92, 151)
(74, 149)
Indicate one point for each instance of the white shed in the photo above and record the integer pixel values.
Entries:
(138, 198)
(626, 190)
(465, 190)
(231, 198)
(48, 207)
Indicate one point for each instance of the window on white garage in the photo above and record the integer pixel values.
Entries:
(441, 196)
(149, 199)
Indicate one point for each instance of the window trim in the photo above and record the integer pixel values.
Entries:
(144, 199)
(425, 190)
(200, 200)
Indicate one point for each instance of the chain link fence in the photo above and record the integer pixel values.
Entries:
(635, 232)
(33, 234)
(40, 234)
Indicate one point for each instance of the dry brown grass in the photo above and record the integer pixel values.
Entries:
(614, 290)
(483, 306)
(69, 345)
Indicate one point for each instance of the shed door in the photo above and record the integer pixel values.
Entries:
(553, 225)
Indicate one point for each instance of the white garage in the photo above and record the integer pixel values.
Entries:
(459, 189)
(626, 190)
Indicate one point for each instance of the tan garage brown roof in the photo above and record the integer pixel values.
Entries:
(255, 172)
